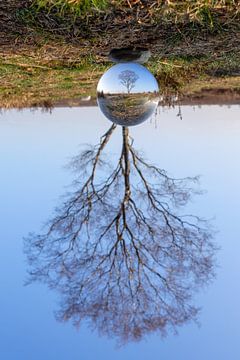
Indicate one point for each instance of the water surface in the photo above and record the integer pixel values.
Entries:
(34, 148)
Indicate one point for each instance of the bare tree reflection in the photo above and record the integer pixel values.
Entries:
(119, 251)
(128, 79)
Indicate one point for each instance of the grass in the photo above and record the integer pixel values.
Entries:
(59, 48)
(30, 82)
(198, 11)
(175, 72)
(74, 7)
(189, 16)
(37, 80)
(204, 12)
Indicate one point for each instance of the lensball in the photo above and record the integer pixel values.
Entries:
(127, 94)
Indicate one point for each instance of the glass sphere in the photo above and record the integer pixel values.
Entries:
(127, 94)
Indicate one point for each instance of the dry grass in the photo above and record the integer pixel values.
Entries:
(204, 12)
(47, 55)
(55, 72)
(38, 79)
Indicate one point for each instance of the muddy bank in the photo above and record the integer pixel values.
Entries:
(204, 97)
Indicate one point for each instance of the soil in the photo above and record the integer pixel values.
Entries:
(51, 43)
(125, 27)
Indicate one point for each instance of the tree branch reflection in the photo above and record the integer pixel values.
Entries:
(119, 250)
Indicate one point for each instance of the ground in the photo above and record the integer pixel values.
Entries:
(48, 59)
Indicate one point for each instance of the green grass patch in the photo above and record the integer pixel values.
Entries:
(77, 8)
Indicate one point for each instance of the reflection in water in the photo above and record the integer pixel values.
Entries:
(119, 250)
(127, 94)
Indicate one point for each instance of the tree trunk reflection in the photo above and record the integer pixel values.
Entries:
(119, 250)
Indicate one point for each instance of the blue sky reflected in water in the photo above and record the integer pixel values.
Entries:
(35, 146)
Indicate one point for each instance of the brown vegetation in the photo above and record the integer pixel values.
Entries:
(193, 47)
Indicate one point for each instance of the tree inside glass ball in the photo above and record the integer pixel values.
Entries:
(127, 94)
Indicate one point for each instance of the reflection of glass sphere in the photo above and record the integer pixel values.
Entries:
(127, 94)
